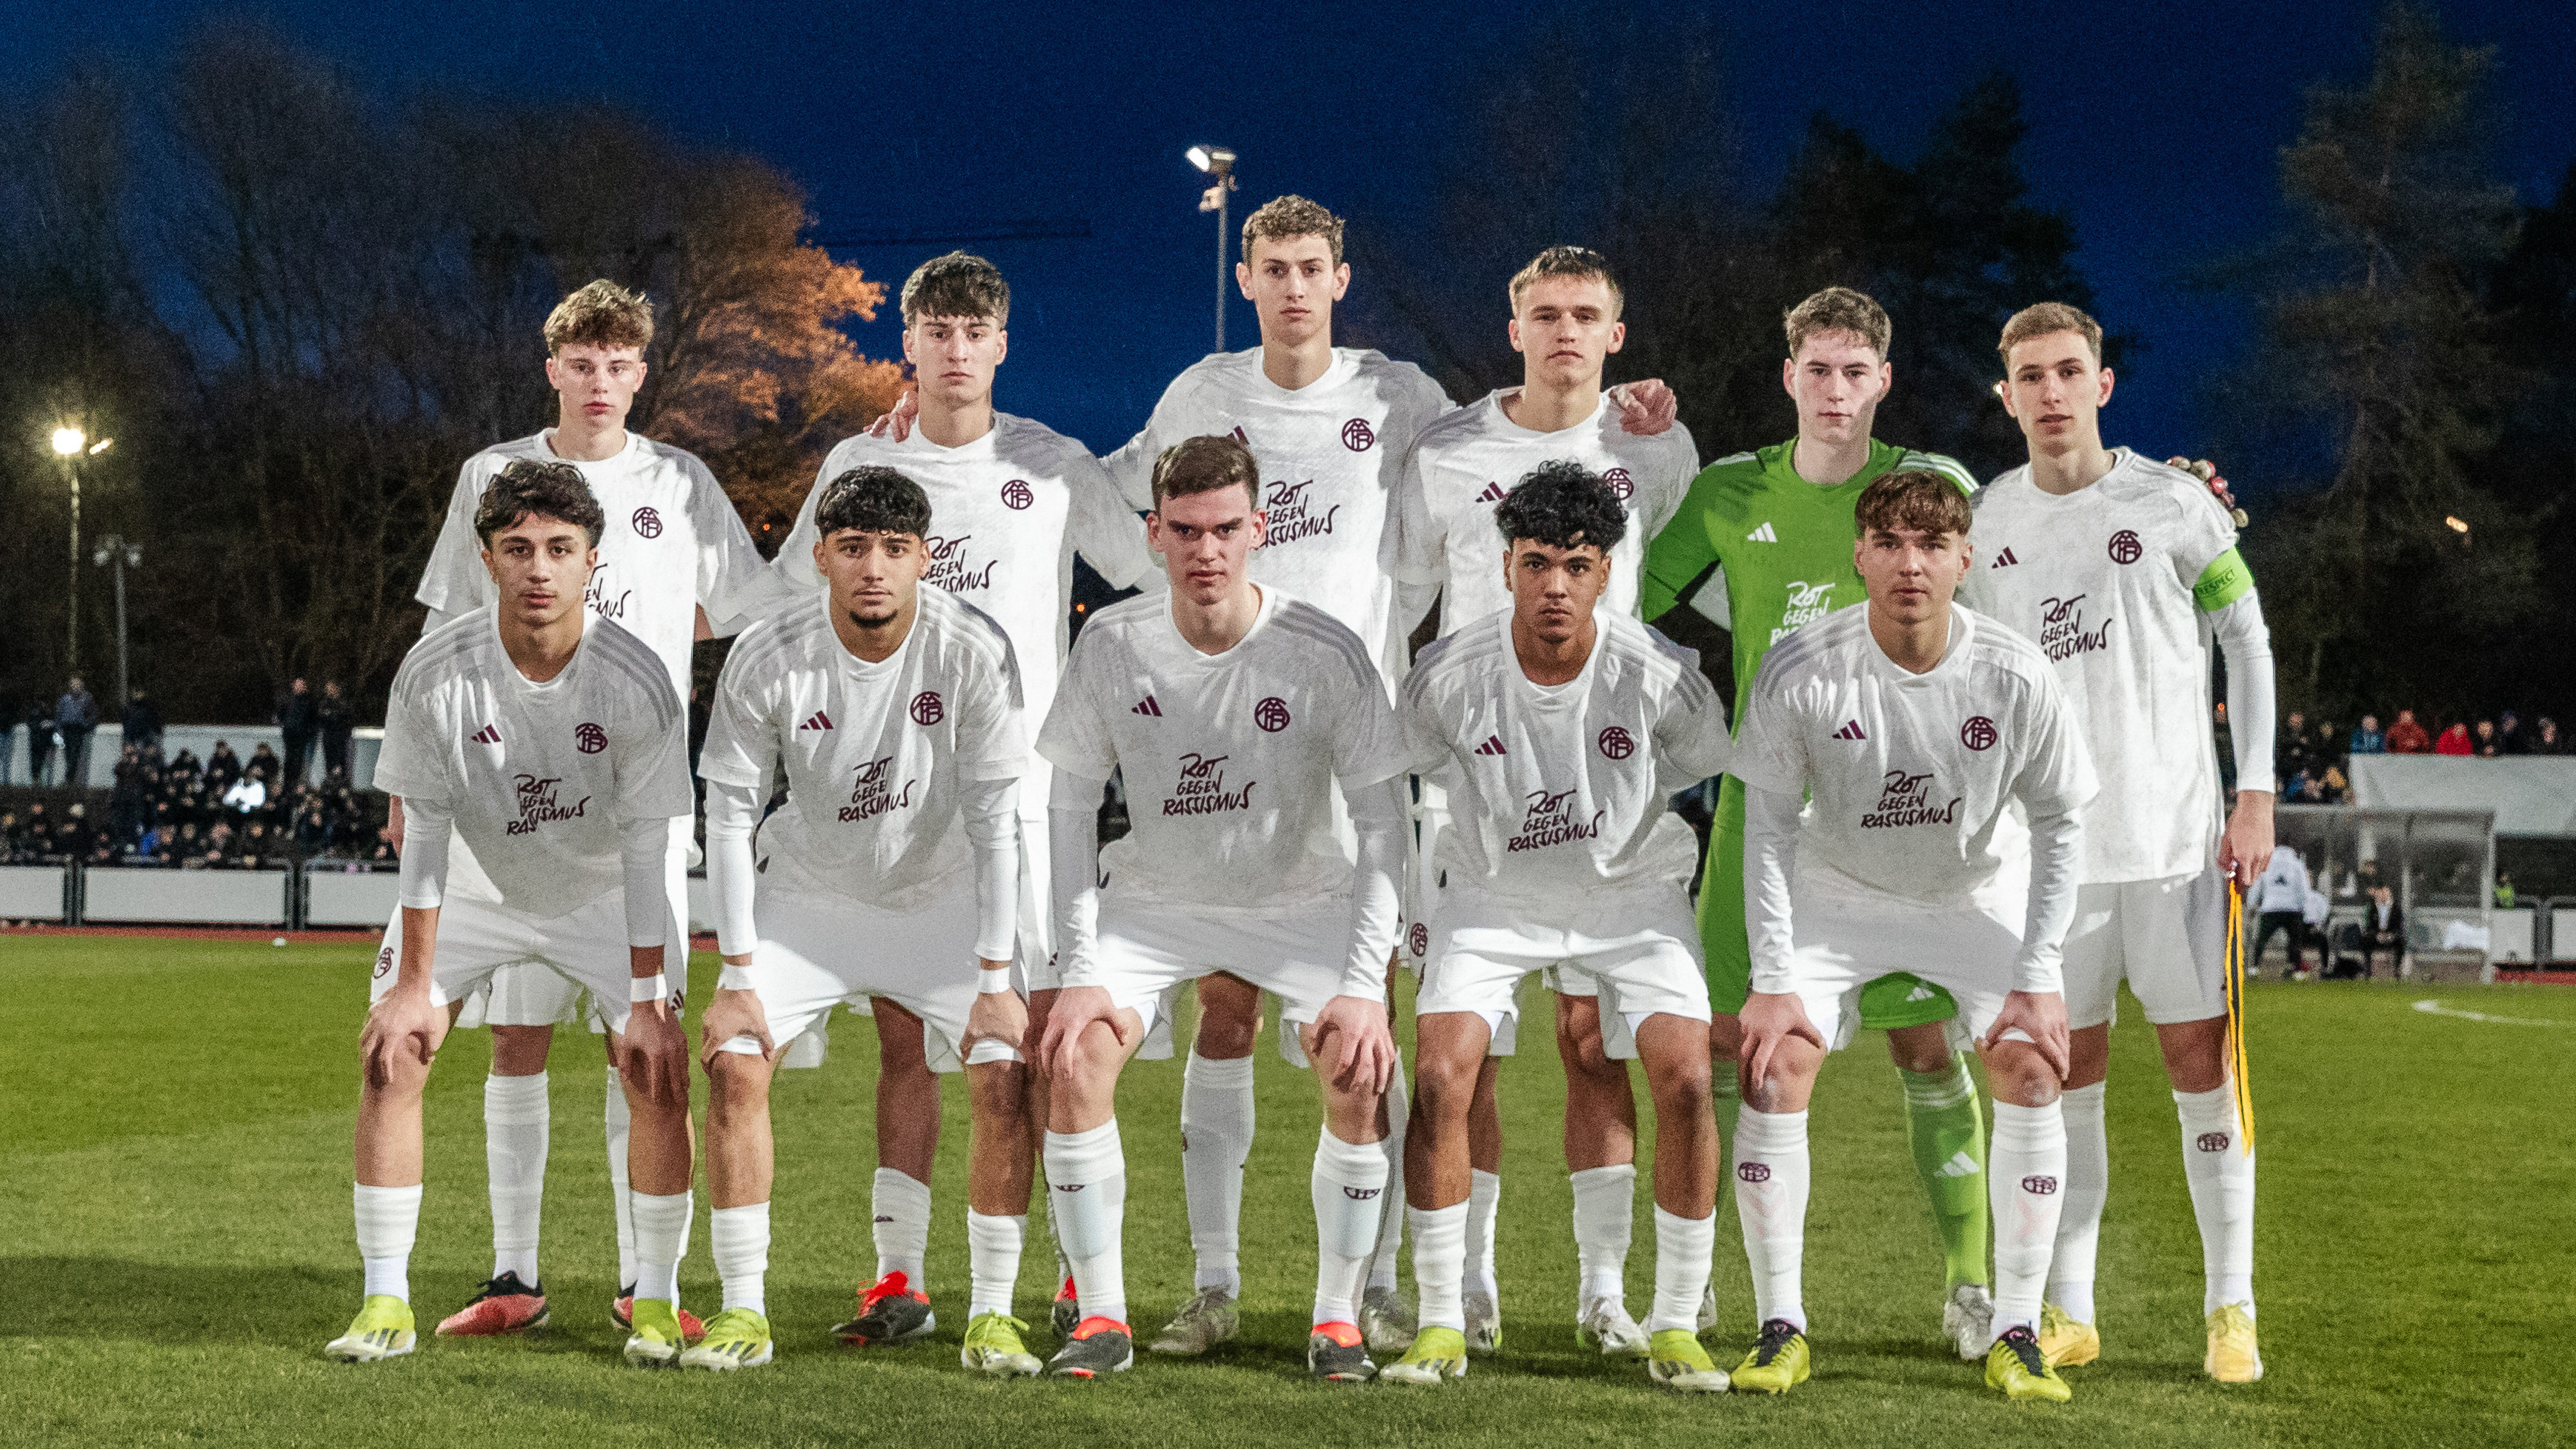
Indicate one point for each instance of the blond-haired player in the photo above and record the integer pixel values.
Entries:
(673, 556)
(2123, 569)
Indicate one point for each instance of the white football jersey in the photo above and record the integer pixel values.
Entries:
(1910, 775)
(1008, 512)
(668, 522)
(1558, 791)
(2102, 579)
(1230, 759)
(1467, 461)
(873, 752)
(1331, 454)
(538, 776)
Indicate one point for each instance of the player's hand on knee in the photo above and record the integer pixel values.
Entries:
(1361, 1049)
(1769, 1019)
(1075, 1010)
(657, 1054)
(402, 1028)
(2041, 1016)
(1647, 407)
(996, 1016)
(733, 1014)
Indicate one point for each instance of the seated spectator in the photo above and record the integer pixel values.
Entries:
(2290, 746)
(2406, 737)
(2296, 790)
(185, 768)
(267, 768)
(2510, 739)
(2483, 743)
(312, 828)
(383, 852)
(2546, 741)
(2366, 737)
(2454, 741)
(258, 846)
(222, 847)
(248, 796)
(2332, 788)
(222, 768)
(2383, 931)
(10, 843)
(190, 848)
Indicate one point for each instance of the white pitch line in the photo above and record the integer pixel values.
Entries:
(2433, 1007)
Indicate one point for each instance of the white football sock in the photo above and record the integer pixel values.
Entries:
(1390, 1222)
(1484, 1196)
(901, 1226)
(1216, 1137)
(661, 1240)
(514, 1154)
(1087, 1177)
(993, 1246)
(1348, 1186)
(621, 1195)
(2088, 1188)
(1683, 1248)
(2222, 1194)
(388, 1219)
(1605, 1207)
(1439, 1261)
(2025, 1167)
(1771, 1175)
(740, 1238)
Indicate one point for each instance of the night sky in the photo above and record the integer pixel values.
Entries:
(2157, 127)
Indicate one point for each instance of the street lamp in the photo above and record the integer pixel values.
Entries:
(1218, 163)
(71, 445)
(115, 550)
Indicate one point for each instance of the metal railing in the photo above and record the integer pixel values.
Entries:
(320, 893)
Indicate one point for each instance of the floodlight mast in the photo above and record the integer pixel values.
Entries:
(1218, 163)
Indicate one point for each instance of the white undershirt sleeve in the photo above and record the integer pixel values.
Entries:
(1770, 862)
(993, 828)
(2251, 704)
(1382, 816)
(1073, 859)
(733, 812)
(641, 845)
(428, 825)
(2056, 861)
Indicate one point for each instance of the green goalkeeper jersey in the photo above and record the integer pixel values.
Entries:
(1782, 545)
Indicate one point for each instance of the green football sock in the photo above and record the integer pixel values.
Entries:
(1948, 1134)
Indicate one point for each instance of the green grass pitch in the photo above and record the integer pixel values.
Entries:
(174, 1168)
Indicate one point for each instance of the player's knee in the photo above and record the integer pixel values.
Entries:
(2017, 1073)
(1443, 1088)
(1681, 1086)
(1920, 1049)
(1229, 1023)
(736, 1084)
(520, 1051)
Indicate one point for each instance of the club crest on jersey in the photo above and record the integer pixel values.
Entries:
(1291, 515)
(1358, 436)
(1979, 733)
(873, 791)
(927, 709)
(1905, 799)
(1622, 486)
(949, 568)
(1202, 791)
(1419, 936)
(540, 802)
(2125, 547)
(1017, 495)
(1554, 817)
(2062, 634)
(1494, 493)
(646, 523)
(490, 734)
(1807, 603)
(589, 738)
(1271, 714)
(1616, 743)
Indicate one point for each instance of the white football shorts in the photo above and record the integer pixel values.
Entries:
(1637, 950)
(2167, 938)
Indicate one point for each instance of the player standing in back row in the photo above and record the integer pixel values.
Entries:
(1566, 321)
(1014, 500)
(1763, 545)
(2121, 567)
(673, 555)
(1332, 428)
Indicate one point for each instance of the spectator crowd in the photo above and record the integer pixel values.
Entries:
(2313, 762)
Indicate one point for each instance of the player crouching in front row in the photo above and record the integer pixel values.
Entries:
(555, 747)
(891, 873)
(1911, 725)
(1232, 711)
(1561, 734)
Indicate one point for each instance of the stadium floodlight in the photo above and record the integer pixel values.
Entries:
(68, 441)
(101, 446)
(2457, 525)
(1218, 163)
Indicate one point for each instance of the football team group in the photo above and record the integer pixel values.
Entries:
(1969, 788)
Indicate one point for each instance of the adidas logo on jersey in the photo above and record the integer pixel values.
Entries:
(488, 735)
(1762, 534)
(1239, 437)
(1850, 731)
(2001, 559)
(1148, 707)
(1493, 494)
(1493, 745)
(816, 721)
